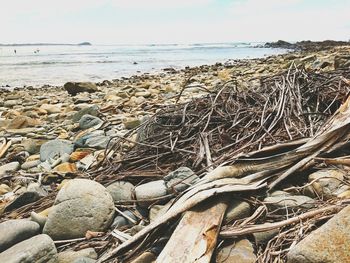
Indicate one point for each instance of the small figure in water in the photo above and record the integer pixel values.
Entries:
(15, 51)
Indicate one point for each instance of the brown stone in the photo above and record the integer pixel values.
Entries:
(74, 88)
(22, 122)
(51, 108)
(329, 243)
(66, 168)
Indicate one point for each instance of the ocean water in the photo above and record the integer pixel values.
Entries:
(55, 65)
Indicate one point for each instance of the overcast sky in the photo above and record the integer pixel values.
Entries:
(172, 21)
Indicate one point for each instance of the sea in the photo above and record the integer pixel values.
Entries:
(40, 65)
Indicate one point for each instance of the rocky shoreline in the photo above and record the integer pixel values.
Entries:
(62, 203)
(308, 45)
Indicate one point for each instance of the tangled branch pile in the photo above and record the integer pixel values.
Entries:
(300, 114)
(214, 129)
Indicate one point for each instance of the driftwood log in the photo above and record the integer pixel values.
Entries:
(195, 238)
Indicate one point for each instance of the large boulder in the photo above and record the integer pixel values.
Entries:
(38, 249)
(328, 243)
(80, 205)
(74, 88)
(14, 231)
(55, 149)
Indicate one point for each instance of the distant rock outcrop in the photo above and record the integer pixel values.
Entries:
(279, 44)
(84, 44)
(307, 45)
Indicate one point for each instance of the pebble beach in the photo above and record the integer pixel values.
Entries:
(54, 139)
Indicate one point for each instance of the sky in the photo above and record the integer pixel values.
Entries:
(172, 21)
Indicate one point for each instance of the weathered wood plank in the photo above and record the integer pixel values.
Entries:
(194, 239)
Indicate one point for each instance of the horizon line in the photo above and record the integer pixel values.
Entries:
(87, 43)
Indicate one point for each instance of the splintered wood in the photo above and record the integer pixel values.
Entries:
(195, 238)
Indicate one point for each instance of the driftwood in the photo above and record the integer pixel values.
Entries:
(337, 129)
(195, 238)
(184, 203)
(245, 230)
(4, 146)
(336, 161)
